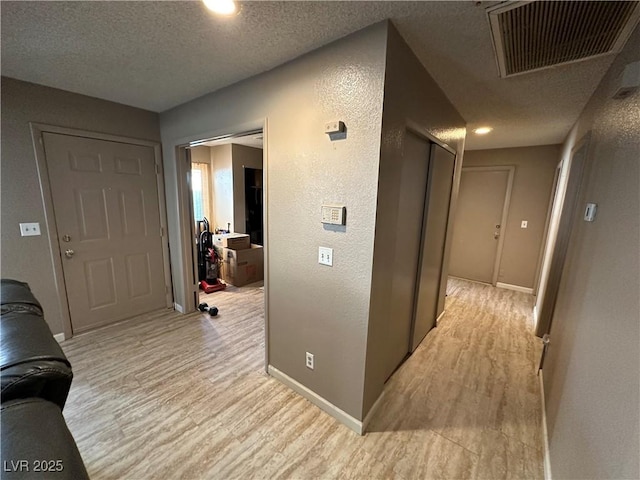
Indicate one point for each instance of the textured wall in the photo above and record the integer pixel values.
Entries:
(411, 98)
(311, 307)
(592, 385)
(30, 258)
(532, 184)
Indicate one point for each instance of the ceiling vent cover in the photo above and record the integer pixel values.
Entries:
(530, 36)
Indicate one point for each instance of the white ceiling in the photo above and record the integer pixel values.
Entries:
(159, 54)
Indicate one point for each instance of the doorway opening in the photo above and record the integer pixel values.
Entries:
(227, 203)
(221, 191)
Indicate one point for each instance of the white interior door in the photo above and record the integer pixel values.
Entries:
(107, 214)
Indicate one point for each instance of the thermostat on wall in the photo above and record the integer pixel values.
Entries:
(334, 214)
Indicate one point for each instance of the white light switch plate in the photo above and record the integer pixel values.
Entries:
(524, 224)
(30, 229)
(325, 256)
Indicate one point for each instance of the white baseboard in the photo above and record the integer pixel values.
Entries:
(59, 337)
(545, 432)
(177, 307)
(440, 317)
(535, 317)
(340, 415)
(517, 288)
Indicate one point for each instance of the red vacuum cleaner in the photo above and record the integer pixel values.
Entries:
(208, 260)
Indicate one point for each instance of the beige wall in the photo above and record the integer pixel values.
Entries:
(201, 155)
(535, 169)
(222, 179)
(30, 258)
(314, 308)
(249, 157)
(591, 378)
(412, 98)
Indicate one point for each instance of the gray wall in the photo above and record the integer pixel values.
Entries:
(30, 258)
(242, 156)
(314, 308)
(532, 184)
(411, 98)
(591, 375)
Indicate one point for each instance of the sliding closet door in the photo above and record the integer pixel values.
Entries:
(438, 198)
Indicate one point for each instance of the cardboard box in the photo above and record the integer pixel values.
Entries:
(236, 241)
(242, 267)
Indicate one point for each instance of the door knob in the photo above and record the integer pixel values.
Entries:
(69, 253)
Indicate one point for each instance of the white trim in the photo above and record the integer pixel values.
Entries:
(517, 288)
(545, 432)
(535, 316)
(59, 337)
(340, 415)
(178, 308)
(440, 317)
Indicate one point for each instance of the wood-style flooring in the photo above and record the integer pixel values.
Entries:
(185, 396)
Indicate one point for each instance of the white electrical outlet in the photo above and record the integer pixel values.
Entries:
(325, 256)
(309, 360)
(29, 229)
(524, 224)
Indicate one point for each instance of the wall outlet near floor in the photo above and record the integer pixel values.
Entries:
(524, 224)
(309, 360)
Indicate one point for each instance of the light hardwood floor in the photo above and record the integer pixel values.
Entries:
(186, 396)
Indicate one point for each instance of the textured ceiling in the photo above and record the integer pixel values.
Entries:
(159, 54)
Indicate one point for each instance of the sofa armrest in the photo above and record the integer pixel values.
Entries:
(37, 444)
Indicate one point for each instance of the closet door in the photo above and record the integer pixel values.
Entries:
(437, 201)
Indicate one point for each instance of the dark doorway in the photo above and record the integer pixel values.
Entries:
(253, 204)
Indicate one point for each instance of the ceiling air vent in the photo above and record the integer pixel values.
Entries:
(530, 36)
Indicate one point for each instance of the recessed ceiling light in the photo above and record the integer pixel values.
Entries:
(221, 7)
(482, 130)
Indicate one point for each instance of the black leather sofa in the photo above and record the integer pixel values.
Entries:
(35, 378)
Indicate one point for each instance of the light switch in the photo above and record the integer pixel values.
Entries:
(325, 256)
(30, 229)
(523, 224)
(590, 212)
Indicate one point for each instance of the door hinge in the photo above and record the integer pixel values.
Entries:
(162, 231)
(157, 169)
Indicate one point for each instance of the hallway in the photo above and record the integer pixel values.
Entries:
(186, 396)
(469, 397)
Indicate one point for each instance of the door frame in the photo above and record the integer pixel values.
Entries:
(505, 210)
(37, 129)
(568, 214)
(186, 225)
